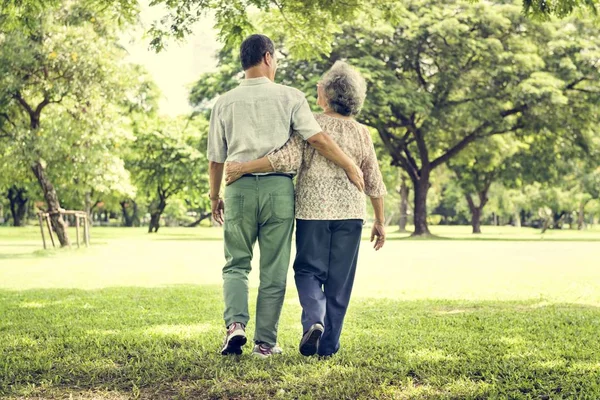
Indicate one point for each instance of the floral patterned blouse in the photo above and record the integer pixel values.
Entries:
(323, 191)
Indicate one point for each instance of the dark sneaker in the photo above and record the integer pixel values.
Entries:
(235, 339)
(310, 341)
(265, 351)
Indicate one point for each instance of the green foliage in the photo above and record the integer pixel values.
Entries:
(480, 85)
(559, 8)
(106, 15)
(167, 157)
(67, 96)
(311, 23)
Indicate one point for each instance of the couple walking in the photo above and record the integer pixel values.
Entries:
(261, 135)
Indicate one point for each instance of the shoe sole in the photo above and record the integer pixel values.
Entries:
(234, 345)
(310, 346)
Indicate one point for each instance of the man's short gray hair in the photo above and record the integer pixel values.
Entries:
(345, 89)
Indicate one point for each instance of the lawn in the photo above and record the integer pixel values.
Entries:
(513, 314)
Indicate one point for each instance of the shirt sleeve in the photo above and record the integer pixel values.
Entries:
(374, 186)
(303, 120)
(289, 157)
(217, 143)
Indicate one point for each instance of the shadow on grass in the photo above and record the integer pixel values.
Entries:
(12, 256)
(40, 253)
(163, 343)
(19, 244)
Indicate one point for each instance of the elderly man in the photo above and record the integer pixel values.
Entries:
(247, 123)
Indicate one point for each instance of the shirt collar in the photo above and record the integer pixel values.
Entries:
(255, 81)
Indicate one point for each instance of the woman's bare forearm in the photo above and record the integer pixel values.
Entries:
(256, 166)
(378, 208)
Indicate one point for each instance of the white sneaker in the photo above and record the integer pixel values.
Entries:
(235, 339)
(264, 351)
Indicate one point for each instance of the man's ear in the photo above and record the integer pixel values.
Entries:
(268, 59)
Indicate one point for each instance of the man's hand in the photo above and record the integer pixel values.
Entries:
(356, 177)
(218, 210)
(233, 172)
(378, 232)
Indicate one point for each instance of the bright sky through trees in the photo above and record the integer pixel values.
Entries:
(179, 65)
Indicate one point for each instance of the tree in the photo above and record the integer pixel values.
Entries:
(166, 161)
(446, 75)
(58, 84)
(445, 78)
(478, 167)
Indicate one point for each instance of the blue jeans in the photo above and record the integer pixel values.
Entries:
(325, 265)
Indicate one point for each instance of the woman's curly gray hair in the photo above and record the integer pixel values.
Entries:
(344, 88)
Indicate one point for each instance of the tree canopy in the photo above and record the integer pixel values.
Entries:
(312, 22)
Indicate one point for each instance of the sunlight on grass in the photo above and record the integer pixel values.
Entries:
(183, 331)
(429, 355)
(32, 304)
(140, 316)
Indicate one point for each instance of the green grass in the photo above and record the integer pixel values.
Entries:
(140, 316)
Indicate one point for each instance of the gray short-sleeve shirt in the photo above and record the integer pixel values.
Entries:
(256, 118)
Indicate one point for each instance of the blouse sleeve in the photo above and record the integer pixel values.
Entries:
(374, 186)
(289, 157)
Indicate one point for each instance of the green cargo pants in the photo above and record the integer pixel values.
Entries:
(258, 207)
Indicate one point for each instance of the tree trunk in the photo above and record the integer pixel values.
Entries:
(581, 217)
(18, 205)
(476, 220)
(51, 197)
(203, 216)
(404, 190)
(155, 213)
(135, 217)
(421, 187)
(130, 218)
(88, 206)
(558, 220)
(547, 223)
(127, 220)
(517, 220)
(476, 212)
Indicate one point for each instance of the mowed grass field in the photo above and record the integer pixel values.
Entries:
(509, 315)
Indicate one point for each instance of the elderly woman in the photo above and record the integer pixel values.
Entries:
(330, 210)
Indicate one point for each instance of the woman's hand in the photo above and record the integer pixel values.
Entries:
(378, 232)
(233, 172)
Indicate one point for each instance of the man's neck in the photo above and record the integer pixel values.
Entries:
(255, 73)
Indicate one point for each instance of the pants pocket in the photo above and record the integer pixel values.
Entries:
(282, 206)
(234, 209)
